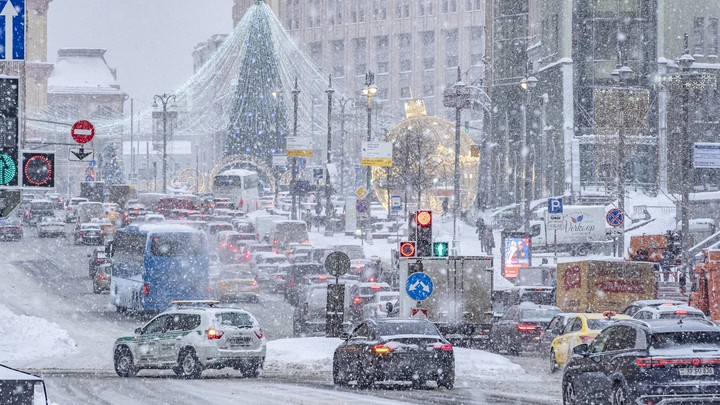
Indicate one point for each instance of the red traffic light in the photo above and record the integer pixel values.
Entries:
(407, 249)
(424, 218)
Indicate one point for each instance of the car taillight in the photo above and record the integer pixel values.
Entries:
(98, 260)
(81, 233)
(524, 327)
(681, 312)
(275, 251)
(381, 349)
(587, 338)
(213, 333)
(247, 255)
(375, 287)
(146, 289)
(259, 334)
(357, 300)
(101, 276)
(650, 362)
(372, 279)
(322, 278)
(253, 283)
(278, 276)
(443, 346)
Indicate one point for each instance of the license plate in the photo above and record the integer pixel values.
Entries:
(241, 341)
(696, 371)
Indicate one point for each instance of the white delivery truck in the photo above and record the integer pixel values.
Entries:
(579, 229)
(460, 299)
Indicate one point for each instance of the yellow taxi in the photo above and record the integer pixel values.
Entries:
(581, 328)
(235, 283)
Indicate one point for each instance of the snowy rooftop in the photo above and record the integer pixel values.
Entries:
(83, 71)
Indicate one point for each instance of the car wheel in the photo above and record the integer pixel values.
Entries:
(619, 396)
(124, 366)
(553, 365)
(569, 395)
(446, 380)
(188, 365)
(364, 379)
(252, 369)
(340, 376)
(96, 289)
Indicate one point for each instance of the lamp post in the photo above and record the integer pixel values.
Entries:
(164, 99)
(526, 84)
(459, 96)
(620, 74)
(328, 202)
(276, 96)
(369, 91)
(343, 102)
(293, 167)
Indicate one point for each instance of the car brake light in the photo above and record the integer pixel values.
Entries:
(278, 276)
(253, 283)
(524, 327)
(146, 289)
(357, 300)
(213, 333)
(247, 255)
(322, 278)
(101, 276)
(587, 338)
(609, 314)
(372, 279)
(381, 349)
(375, 287)
(681, 312)
(443, 346)
(81, 233)
(650, 362)
(292, 284)
(259, 334)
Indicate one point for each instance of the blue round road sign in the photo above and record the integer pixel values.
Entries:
(419, 286)
(615, 217)
(362, 206)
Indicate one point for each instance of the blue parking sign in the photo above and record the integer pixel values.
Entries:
(555, 205)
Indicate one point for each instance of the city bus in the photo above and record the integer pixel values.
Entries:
(240, 186)
(154, 264)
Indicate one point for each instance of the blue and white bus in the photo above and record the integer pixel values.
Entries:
(154, 264)
(240, 186)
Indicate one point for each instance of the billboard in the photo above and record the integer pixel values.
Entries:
(515, 249)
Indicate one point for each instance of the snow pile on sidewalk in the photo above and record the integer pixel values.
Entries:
(26, 338)
(313, 355)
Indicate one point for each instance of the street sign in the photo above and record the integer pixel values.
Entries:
(9, 199)
(419, 286)
(555, 205)
(395, 203)
(376, 153)
(554, 226)
(318, 173)
(13, 27)
(706, 155)
(82, 132)
(362, 206)
(337, 263)
(81, 155)
(615, 217)
(299, 146)
(553, 222)
(361, 192)
(419, 312)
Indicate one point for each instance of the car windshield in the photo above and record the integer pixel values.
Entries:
(539, 313)
(237, 319)
(599, 324)
(682, 314)
(685, 339)
(407, 328)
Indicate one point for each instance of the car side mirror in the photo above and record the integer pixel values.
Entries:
(581, 350)
(389, 307)
(344, 336)
(138, 331)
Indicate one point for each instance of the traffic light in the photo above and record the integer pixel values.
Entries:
(424, 233)
(441, 249)
(38, 169)
(412, 227)
(407, 249)
(9, 168)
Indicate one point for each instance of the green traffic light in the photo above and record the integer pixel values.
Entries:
(8, 169)
(440, 249)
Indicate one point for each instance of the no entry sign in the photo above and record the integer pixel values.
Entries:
(82, 132)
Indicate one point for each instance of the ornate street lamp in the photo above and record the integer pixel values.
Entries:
(526, 84)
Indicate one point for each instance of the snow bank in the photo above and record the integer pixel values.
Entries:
(26, 338)
(313, 355)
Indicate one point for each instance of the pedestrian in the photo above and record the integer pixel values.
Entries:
(480, 228)
(488, 240)
(445, 206)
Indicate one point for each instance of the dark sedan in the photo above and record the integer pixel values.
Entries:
(394, 350)
(521, 327)
(647, 362)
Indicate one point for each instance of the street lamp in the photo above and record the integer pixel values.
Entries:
(293, 169)
(686, 81)
(369, 91)
(328, 202)
(277, 96)
(164, 99)
(526, 84)
(620, 75)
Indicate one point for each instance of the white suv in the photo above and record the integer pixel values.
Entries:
(191, 336)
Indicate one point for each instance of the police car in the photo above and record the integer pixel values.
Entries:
(191, 336)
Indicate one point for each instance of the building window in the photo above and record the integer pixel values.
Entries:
(476, 46)
(429, 89)
(451, 48)
(398, 8)
(444, 6)
(713, 37)
(605, 39)
(361, 12)
(406, 9)
(383, 53)
(405, 54)
(360, 56)
(383, 11)
(405, 92)
(428, 46)
(699, 34)
(421, 8)
(429, 63)
(429, 8)
(339, 12)
(338, 57)
(316, 52)
(453, 6)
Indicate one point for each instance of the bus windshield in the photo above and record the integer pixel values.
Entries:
(173, 245)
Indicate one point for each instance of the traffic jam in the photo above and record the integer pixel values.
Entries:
(191, 271)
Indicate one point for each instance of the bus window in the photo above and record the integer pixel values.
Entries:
(250, 182)
(169, 245)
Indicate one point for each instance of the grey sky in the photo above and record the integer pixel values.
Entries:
(150, 42)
